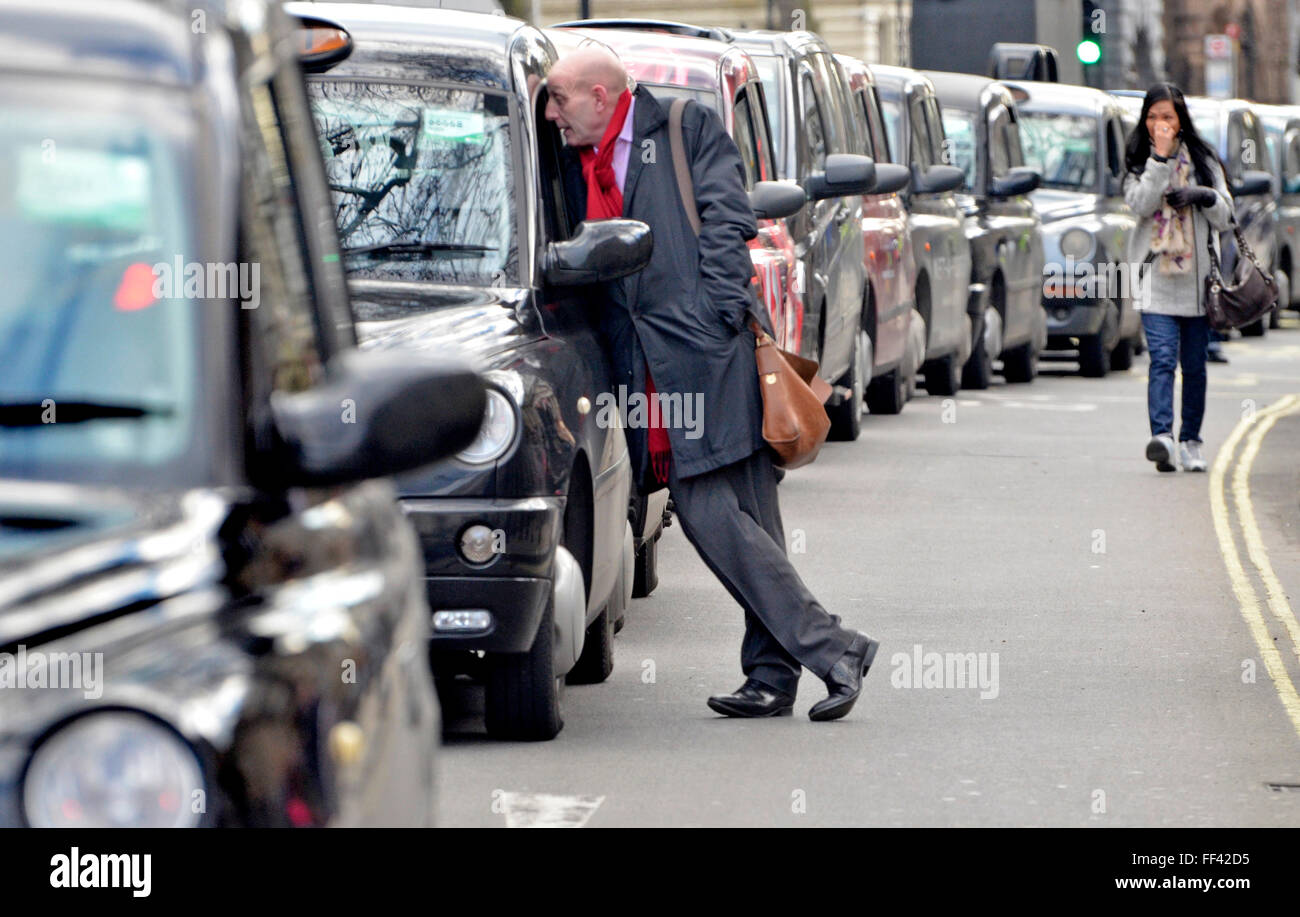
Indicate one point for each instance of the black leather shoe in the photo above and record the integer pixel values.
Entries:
(844, 680)
(753, 698)
(1216, 356)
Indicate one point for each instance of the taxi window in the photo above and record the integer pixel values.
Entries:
(1236, 144)
(762, 131)
(770, 72)
(934, 124)
(879, 141)
(670, 91)
(835, 91)
(892, 112)
(744, 133)
(1291, 161)
(999, 151)
(1015, 150)
(959, 143)
(814, 133)
(919, 154)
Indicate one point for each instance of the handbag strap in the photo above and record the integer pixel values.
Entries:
(685, 184)
(1243, 247)
(686, 188)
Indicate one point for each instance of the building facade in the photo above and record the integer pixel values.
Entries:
(874, 30)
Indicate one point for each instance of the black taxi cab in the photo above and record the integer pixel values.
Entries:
(208, 616)
(446, 192)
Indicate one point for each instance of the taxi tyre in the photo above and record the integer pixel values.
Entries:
(522, 690)
(1122, 356)
(522, 696)
(887, 394)
(597, 660)
(978, 371)
(1020, 364)
(846, 417)
(942, 376)
(1094, 352)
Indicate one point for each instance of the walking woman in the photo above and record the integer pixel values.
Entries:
(1175, 183)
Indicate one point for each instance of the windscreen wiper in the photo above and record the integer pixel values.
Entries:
(52, 411)
(419, 248)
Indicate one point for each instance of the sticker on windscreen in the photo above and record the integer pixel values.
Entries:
(89, 187)
(453, 126)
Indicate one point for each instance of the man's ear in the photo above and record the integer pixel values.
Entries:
(602, 96)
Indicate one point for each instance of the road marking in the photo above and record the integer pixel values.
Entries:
(1241, 585)
(1274, 593)
(542, 810)
(1075, 407)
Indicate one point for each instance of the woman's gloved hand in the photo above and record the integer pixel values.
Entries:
(1185, 197)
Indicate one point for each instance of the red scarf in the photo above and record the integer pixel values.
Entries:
(605, 201)
(604, 198)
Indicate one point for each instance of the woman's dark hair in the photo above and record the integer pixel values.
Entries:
(1139, 141)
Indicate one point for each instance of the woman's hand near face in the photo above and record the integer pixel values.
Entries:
(1162, 127)
(1163, 138)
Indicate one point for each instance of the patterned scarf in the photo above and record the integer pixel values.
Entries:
(1172, 236)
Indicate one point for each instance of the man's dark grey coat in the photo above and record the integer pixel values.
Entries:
(688, 308)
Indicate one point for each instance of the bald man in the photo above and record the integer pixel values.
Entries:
(679, 329)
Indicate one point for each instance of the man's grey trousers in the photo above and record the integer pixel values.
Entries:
(732, 517)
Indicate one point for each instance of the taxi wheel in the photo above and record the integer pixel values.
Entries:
(888, 394)
(978, 371)
(1122, 356)
(846, 417)
(1021, 364)
(943, 376)
(522, 694)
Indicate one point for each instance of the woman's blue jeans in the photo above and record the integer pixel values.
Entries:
(1170, 337)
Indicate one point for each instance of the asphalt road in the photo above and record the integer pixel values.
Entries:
(1121, 675)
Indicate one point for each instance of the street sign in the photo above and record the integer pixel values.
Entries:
(1220, 67)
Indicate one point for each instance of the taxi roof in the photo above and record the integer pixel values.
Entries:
(422, 43)
(148, 41)
(967, 91)
(1062, 97)
(694, 62)
(781, 43)
(899, 77)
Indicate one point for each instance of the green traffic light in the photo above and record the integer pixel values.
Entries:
(1088, 51)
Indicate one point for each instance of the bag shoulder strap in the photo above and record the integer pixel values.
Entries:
(686, 188)
(682, 169)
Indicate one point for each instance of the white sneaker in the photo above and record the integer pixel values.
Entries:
(1189, 456)
(1161, 451)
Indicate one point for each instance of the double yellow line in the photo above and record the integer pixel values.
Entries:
(1253, 429)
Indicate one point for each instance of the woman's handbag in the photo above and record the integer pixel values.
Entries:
(795, 423)
(1251, 296)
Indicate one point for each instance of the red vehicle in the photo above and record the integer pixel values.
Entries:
(723, 77)
(891, 268)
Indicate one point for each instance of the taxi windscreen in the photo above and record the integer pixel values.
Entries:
(99, 351)
(1062, 148)
(422, 180)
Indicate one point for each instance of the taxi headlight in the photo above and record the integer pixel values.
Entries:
(1077, 244)
(497, 433)
(114, 770)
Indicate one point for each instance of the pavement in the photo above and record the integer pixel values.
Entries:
(1063, 641)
